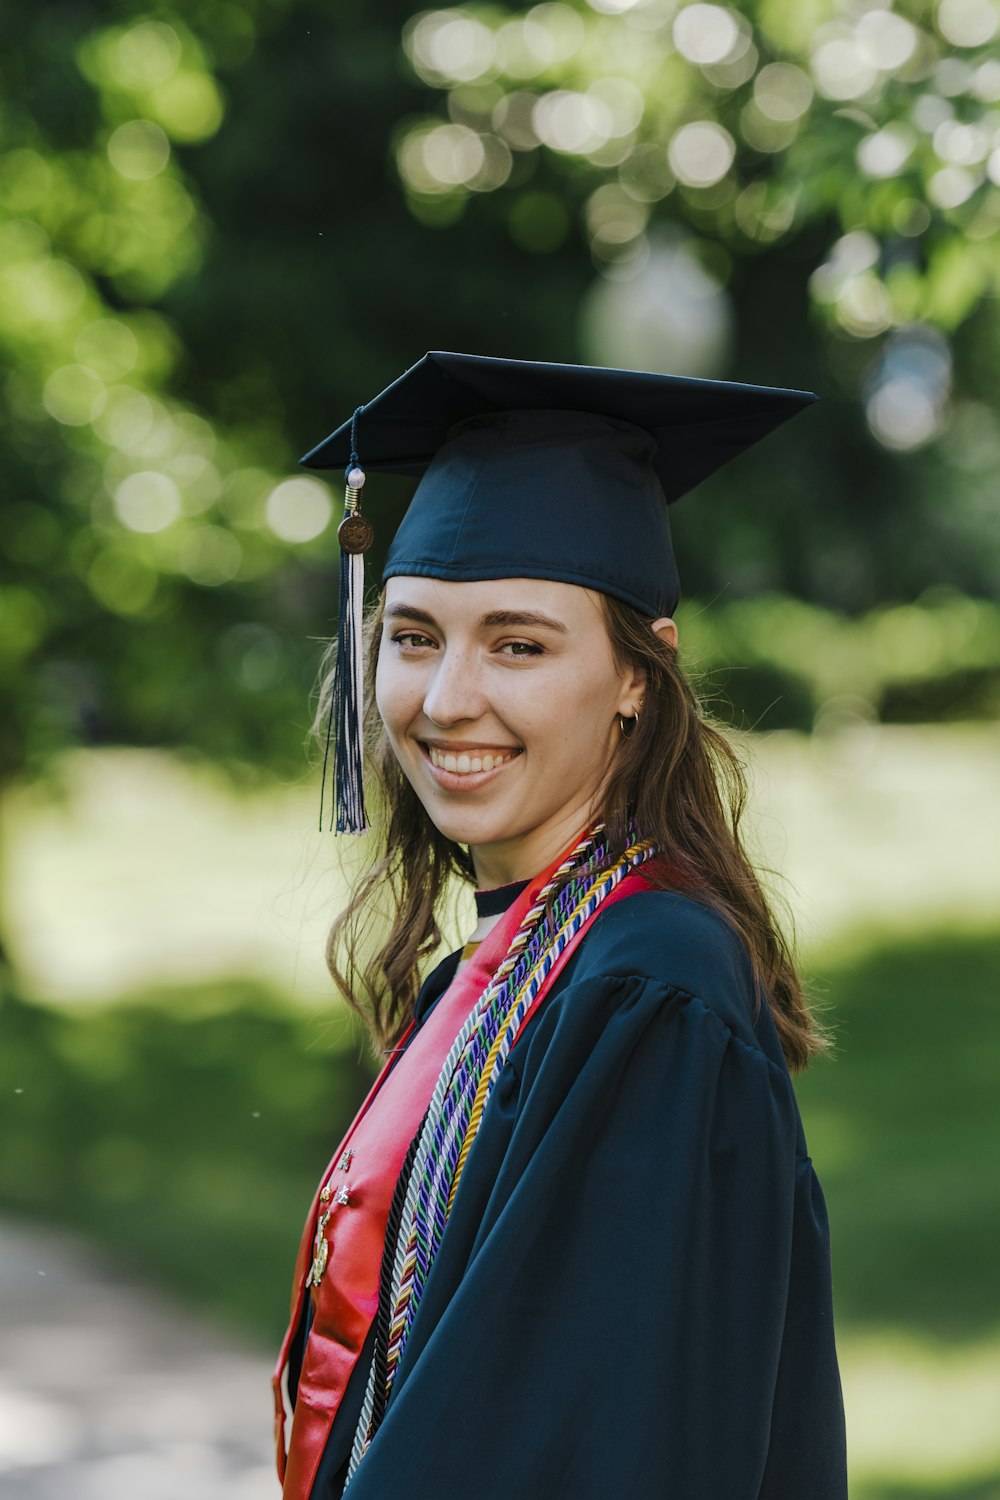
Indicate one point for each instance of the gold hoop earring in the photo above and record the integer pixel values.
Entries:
(634, 721)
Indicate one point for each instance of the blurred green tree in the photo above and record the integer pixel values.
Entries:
(184, 270)
(219, 226)
(763, 188)
(749, 125)
(150, 549)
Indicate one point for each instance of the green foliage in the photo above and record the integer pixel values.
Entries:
(170, 213)
(186, 1129)
(787, 193)
(152, 546)
(904, 1125)
(779, 662)
(748, 123)
(209, 254)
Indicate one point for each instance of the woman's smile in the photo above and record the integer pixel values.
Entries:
(466, 769)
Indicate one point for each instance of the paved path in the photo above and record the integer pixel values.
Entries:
(108, 1391)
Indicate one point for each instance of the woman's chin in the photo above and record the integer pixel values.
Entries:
(463, 828)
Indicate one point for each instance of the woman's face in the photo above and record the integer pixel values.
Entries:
(501, 701)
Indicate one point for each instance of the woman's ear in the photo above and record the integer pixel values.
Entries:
(666, 629)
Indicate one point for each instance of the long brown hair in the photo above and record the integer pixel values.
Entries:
(692, 808)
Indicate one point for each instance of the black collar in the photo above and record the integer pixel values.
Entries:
(490, 903)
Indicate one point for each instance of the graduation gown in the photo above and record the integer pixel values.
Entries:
(632, 1297)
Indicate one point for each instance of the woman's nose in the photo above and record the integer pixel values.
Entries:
(453, 693)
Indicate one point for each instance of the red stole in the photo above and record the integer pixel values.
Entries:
(356, 1194)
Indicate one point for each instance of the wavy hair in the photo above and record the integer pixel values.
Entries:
(692, 807)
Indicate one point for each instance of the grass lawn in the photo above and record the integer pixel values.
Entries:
(149, 871)
(904, 1127)
(185, 1130)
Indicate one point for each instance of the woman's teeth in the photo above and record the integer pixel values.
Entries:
(463, 763)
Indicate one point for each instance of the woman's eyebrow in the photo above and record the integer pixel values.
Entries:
(521, 617)
(494, 617)
(408, 612)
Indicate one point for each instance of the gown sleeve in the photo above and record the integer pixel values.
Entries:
(632, 1297)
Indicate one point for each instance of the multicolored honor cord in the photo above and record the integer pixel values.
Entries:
(461, 1095)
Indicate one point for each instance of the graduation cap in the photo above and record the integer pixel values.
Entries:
(528, 470)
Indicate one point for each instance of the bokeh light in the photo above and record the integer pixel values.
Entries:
(968, 23)
(127, 418)
(573, 123)
(965, 145)
(782, 92)
(553, 33)
(671, 315)
(849, 256)
(449, 46)
(299, 510)
(736, 69)
(50, 291)
(147, 501)
(146, 55)
(199, 479)
(840, 68)
(763, 132)
(189, 106)
(951, 187)
(864, 307)
(614, 218)
(108, 346)
(701, 153)
(139, 150)
(885, 152)
(623, 99)
(952, 76)
(513, 119)
(884, 39)
(74, 395)
(441, 158)
(613, 7)
(985, 81)
(909, 387)
(705, 33)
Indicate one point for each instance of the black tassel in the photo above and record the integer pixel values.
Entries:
(355, 536)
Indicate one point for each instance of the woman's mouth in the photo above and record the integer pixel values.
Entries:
(466, 768)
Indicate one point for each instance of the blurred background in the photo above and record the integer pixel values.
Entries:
(221, 227)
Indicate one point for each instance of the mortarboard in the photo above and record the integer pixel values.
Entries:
(528, 470)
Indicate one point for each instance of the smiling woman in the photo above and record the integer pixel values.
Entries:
(580, 1184)
(544, 705)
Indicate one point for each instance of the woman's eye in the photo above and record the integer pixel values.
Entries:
(411, 638)
(522, 648)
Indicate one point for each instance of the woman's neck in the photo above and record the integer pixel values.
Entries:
(522, 858)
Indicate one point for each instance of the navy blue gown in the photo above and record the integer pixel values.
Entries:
(632, 1297)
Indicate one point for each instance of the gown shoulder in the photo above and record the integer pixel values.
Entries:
(688, 947)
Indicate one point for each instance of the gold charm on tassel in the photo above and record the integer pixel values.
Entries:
(355, 532)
